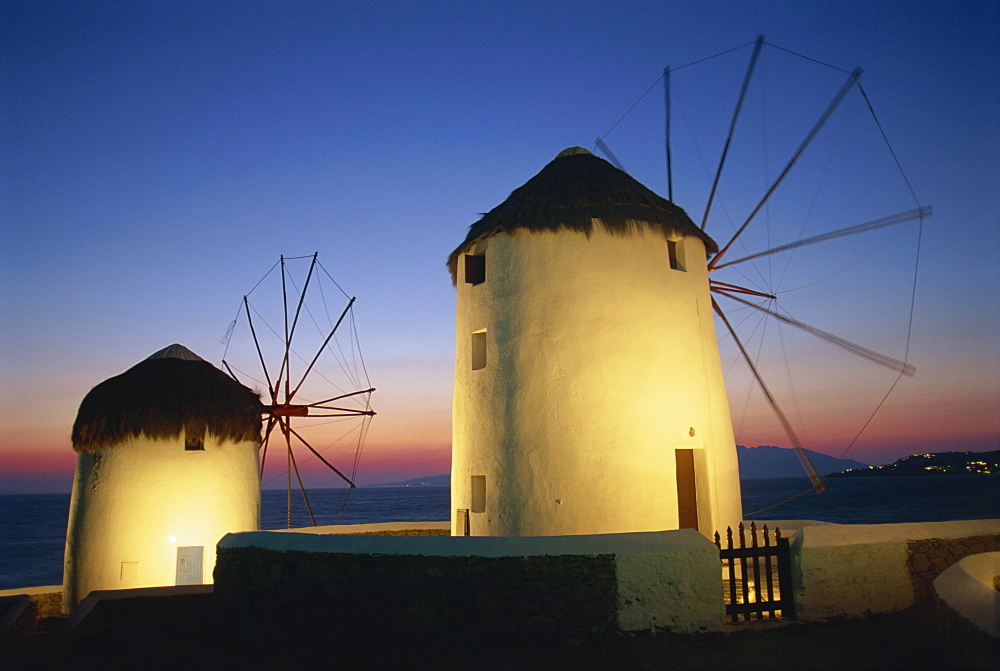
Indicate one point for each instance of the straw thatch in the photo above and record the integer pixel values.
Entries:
(575, 191)
(163, 396)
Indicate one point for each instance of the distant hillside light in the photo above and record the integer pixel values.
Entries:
(589, 395)
(166, 466)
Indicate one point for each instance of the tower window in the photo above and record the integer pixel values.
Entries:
(479, 350)
(194, 443)
(676, 255)
(478, 494)
(475, 268)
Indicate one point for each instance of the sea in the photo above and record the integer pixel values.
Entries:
(33, 526)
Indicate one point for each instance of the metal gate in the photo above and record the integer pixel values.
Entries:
(757, 580)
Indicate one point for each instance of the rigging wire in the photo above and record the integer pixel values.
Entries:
(892, 387)
(809, 58)
(888, 144)
(816, 193)
(702, 60)
(657, 82)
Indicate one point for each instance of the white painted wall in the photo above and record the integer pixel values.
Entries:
(137, 502)
(678, 588)
(853, 570)
(669, 579)
(600, 362)
(967, 587)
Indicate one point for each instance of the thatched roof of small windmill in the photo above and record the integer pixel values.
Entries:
(171, 392)
(574, 192)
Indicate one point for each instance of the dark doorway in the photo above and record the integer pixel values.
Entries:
(687, 494)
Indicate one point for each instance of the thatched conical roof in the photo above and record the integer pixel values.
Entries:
(575, 191)
(172, 391)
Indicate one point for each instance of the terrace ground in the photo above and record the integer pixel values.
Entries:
(187, 632)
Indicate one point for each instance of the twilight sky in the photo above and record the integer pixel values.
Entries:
(157, 158)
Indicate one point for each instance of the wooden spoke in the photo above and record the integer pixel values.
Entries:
(846, 345)
(290, 333)
(320, 457)
(347, 395)
(722, 287)
(732, 127)
(814, 478)
(606, 150)
(230, 371)
(302, 487)
(666, 133)
(260, 355)
(264, 443)
(851, 80)
(320, 351)
(899, 218)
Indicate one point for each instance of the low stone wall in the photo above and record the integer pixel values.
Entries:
(549, 587)
(928, 558)
(856, 570)
(23, 610)
(508, 596)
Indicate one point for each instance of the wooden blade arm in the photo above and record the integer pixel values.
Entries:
(851, 80)
(347, 395)
(814, 477)
(900, 218)
(260, 355)
(302, 487)
(846, 345)
(285, 363)
(320, 351)
(320, 457)
(606, 150)
(732, 127)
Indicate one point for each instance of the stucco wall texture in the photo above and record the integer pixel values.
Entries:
(861, 569)
(600, 363)
(568, 586)
(133, 505)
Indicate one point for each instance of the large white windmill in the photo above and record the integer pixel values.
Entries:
(589, 394)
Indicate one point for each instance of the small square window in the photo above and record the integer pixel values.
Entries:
(475, 268)
(194, 443)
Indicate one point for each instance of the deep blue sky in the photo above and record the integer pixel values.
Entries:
(157, 157)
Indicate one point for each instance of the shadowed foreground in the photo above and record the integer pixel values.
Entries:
(187, 632)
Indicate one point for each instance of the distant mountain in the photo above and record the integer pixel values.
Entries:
(935, 463)
(768, 461)
(765, 461)
(443, 480)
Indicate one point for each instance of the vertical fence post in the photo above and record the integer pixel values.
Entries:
(733, 600)
(787, 605)
(768, 571)
(744, 574)
(756, 569)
